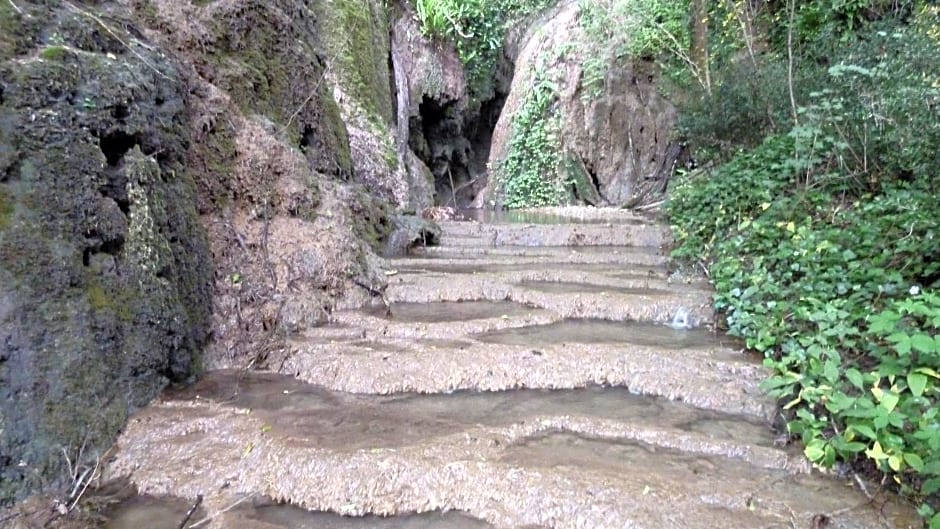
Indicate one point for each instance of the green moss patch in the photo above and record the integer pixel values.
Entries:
(357, 42)
(7, 208)
(54, 53)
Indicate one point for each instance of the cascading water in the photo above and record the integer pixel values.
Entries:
(681, 319)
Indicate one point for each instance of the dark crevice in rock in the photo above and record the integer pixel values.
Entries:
(594, 179)
(437, 138)
(6, 175)
(120, 112)
(454, 145)
(307, 138)
(115, 188)
(480, 132)
(115, 145)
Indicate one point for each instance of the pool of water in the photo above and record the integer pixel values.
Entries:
(326, 418)
(592, 331)
(148, 512)
(559, 287)
(448, 311)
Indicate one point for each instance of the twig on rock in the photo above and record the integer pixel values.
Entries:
(208, 519)
(190, 512)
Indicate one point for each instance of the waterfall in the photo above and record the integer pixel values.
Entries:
(403, 100)
(681, 319)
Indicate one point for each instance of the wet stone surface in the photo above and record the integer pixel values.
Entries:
(289, 517)
(610, 332)
(559, 287)
(350, 421)
(148, 512)
(524, 377)
(456, 311)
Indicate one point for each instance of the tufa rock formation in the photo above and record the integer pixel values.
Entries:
(615, 141)
(105, 270)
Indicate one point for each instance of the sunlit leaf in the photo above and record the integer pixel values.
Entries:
(894, 462)
(876, 452)
(917, 382)
(855, 377)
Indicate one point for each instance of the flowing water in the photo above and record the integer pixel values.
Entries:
(541, 371)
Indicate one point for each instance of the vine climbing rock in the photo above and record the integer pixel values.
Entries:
(614, 137)
(523, 374)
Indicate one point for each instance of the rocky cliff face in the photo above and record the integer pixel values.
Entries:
(105, 271)
(615, 142)
(290, 217)
(182, 185)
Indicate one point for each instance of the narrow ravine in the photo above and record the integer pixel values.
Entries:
(527, 373)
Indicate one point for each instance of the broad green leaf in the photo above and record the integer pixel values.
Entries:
(854, 447)
(927, 371)
(895, 463)
(923, 343)
(876, 452)
(930, 486)
(917, 382)
(855, 377)
(914, 461)
(815, 450)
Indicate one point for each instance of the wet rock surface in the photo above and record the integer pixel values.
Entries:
(474, 394)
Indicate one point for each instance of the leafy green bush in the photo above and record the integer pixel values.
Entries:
(529, 175)
(824, 247)
(477, 28)
(627, 28)
(748, 102)
(875, 95)
(841, 297)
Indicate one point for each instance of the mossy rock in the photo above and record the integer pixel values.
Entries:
(54, 53)
(6, 208)
(356, 36)
(105, 272)
(264, 56)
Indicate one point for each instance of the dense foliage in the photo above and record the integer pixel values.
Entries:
(477, 28)
(821, 231)
(628, 28)
(528, 176)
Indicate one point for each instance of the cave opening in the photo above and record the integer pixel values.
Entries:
(454, 143)
(116, 144)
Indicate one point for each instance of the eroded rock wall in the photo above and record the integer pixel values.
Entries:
(615, 141)
(105, 271)
(182, 185)
(431, 103)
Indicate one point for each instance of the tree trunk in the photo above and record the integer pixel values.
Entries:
(699, 41)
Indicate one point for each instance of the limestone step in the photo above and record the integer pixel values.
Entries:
(602, 297)
(648, 235)
(562, 459)
(522, 375)
(713, 377)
